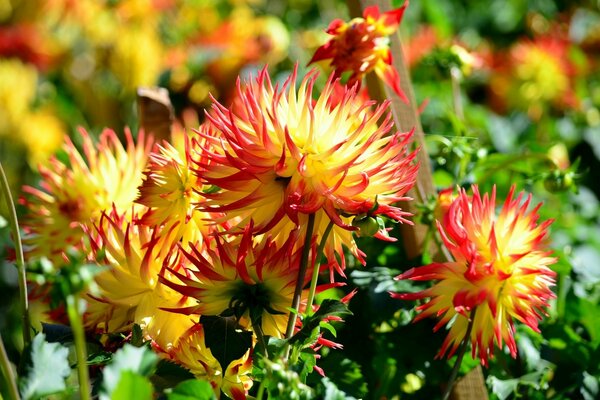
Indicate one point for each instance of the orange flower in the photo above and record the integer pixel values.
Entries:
(362, 46)
(279, 156)
(501, 268)
(73, 195)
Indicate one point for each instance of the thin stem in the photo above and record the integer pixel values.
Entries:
(315, 275)
(300, 281)
(79, 335)
(14, 224)
(461, 353)
(455, 76)
(7, 371)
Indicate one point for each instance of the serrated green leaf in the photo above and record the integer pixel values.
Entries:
(40, 380)
(193, 389)
(132, 386)
(139, 360)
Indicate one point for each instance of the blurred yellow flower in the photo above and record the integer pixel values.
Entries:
(18, 84)
(136, 58)
(42, 134)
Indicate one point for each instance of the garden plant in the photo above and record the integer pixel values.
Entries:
(209, 199)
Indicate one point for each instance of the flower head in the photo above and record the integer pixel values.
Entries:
(501, 268)
(279, 156)
(253, 282)
(537, 74)
(73, 195)
(362, 46)
(130, 291)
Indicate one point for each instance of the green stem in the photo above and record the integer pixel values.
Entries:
(7, 371)
(315, 275)
(79, 335)
(455, 76)
(300, 281)
(14, 224)
(461, 354)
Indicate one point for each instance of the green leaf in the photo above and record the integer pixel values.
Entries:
(326, 308)
(504, 388)
(139, 360)
(192, 390)
(168, 374)
(225, 338)
(47, 370)
(333, 393)
(132, 386)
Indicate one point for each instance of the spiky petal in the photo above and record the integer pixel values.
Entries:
(501, 267)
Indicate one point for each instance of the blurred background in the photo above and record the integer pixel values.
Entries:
(509, 93)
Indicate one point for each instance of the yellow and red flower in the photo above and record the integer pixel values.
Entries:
(362, 45)
(129, 291)
(536, 74)
(73, 195)
(254, 282)
(501, 270)
(279, 156)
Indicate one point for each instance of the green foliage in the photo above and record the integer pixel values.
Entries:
(137, 362)
(46, 369)
(226, 340)
(192, 390)
(132, 386)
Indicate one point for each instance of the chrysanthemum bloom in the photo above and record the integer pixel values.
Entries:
(501, 269)
(130, 291)
(253, 282)
(74, 195)
(362, 45)
(192, 353)
(279, 156)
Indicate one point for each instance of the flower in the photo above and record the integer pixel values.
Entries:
(501, 269)
(279, 156)
(129, 291)
(536, 74)
(73, 195)
(254, 282)
(362, 46)
(170, 189)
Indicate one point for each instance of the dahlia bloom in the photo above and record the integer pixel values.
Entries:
(170, 189)
(501, 268)
(73, 195)
(254, 282)
(279, 156)
(362, 46)
(129, 291)
(536, 74)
